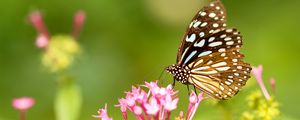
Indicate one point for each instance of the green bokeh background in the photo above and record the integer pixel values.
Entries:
(126, 42)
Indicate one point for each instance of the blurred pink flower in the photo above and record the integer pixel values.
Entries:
(44, 37)
(23, 103)
(37, 21)
(257, 72)
(79, 19)
(272, 83)
(42, 41)
(181, 116)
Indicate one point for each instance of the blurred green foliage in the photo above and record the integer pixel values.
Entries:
(127, 42)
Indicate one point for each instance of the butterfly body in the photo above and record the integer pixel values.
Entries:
(181, 74)
(209, 55)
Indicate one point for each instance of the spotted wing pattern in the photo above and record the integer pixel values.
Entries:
(209, 19)
(211, 52)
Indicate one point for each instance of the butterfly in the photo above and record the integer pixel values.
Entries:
(209, 58)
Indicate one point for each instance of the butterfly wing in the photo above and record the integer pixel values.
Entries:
(209, 19)
(211, 52)
(218, 69)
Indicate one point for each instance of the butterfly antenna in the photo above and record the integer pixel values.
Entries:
(173, 84)
(195, 90)
(151, 73)
(161, 74)
(161, 77)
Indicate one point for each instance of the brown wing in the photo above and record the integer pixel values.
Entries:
(219, 70)
(209, 19)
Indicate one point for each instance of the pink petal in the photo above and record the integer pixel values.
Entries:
(102, 114)
(142, 97)
(152, 108)
(137, 110)
(122, 104)
(181, 115)
(130, 102)
(257, 72)
(78, 22)
(37, 21)
(193, 106)
(193, 98)
(170, 104)
(272, 83)
(151, 85)
(42, 41)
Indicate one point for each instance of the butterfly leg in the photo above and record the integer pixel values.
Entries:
(188, 88)
(173, 84)
(195, 91)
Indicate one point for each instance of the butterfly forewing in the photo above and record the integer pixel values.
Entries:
(208, 20)
(210, 53)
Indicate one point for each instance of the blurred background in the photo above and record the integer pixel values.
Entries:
(128, 42)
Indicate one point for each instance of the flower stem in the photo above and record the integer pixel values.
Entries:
(22, 115)
(168, 115)
(68, 99)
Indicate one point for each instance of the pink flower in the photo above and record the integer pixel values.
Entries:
(193, 105)
(130, 101)
(257, 72)
(157, 103)
(23, 103)
(142, 97)
(102, 114)
(152, 108)
(170, 104)
(137, 110)
(123, 105)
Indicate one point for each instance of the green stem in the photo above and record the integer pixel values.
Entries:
(68, 99)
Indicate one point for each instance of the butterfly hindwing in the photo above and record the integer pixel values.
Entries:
(220, 74)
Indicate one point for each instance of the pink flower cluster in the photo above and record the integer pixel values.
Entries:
(157, 103)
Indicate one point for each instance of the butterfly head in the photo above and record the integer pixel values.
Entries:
(180, 74)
